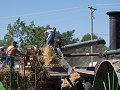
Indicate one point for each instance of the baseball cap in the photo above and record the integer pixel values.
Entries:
(2, 47)
(14, 42)
(54, 28)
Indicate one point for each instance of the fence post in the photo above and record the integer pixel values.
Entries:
(11, 73)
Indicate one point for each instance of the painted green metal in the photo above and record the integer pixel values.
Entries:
(117, 86)
(113, 80)
(107, 75)
(1, 86)
(11, 74)
(109, 52)
(104, 85)
(109, 80)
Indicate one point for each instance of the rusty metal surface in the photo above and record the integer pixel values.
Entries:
(56, 72)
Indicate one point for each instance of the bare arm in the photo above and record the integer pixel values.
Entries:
(45, 33)
(19, 53)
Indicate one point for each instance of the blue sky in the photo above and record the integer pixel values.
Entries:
(63, 14)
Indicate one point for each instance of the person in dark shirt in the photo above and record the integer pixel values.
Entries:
(3, 59)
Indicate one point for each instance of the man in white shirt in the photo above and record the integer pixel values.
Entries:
(50, 34)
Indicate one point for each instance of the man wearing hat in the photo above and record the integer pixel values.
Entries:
(12, 51)
(50, 34)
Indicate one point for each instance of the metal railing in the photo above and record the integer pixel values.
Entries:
(11, 69)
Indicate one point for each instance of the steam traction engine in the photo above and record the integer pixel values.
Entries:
(106, 75)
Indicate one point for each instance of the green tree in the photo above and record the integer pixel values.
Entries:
(36, 37)
(87, 37)
(67, 37)
(29, 34)
(25, 34)
(97, 48)
(7, 39)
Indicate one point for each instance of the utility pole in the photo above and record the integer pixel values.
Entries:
(91, 21)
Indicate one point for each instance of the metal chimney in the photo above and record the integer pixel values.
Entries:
(114, 25)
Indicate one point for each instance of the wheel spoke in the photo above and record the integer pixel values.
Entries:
(109, 80)
(113, 80)
(104, 85)
(106, 77)
(117, 86)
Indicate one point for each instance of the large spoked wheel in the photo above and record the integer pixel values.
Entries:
(107, 76)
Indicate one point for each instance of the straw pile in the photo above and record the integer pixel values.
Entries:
(73, 77)
(48, 57)
(17, 79)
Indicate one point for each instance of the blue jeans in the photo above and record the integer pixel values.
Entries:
(50, 40)
(8, 61)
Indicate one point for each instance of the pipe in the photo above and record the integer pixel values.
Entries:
(81, 54)
(109, 52)
(114, 25)
(83, 44)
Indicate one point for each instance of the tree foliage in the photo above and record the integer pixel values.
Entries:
(96, 48)
(25, 34)
(30, 35)
(87, 37)
(67, 37)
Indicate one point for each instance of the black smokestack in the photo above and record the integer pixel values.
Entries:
(114, 22)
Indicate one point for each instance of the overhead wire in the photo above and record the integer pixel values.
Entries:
(109, 7)
(41, 13)
(109, 4)
(101, 34)
(58, 11)
(62, 10)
